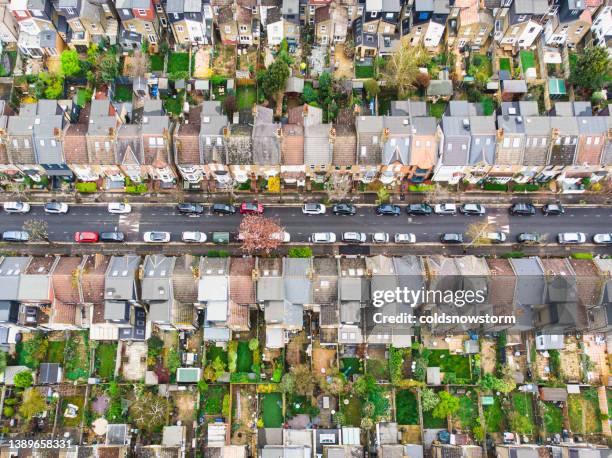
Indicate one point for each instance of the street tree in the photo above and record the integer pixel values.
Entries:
(402, 68)
(38, 230)
(477, 233)
(259, 233)
(150, 412)
(593, 66)
(23, 379)
(32, 403)
(71, 63)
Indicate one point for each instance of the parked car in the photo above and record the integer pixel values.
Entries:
(223, 209)
(313, 208)
(571, 238)
(380, 237)
(112, 237)
(529, 238)
(16, 207)
(15, 236)
(86, 237)
(451, 237)
(323, 237)
(602, 239)
(553, 209)
(473, 209)
(251, 208)
(344, 209)
(353, 237)
(405, 238)
(119, 208)
(496, 237)
(283, 237)
(54, 207)
(193, 237)
(419, 209)
(388, 210)
(522, 209)
(156, 237)
(445, 209)
(190, 209)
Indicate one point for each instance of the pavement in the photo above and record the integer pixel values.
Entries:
(427, 229)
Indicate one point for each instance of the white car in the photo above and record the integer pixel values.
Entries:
(496, 237)
(119, 208)
(193, 237)
(56, 207)
(354, 237)
(571, 238)
(445, 209)
(313, 208)
(602, 239)
(16, 207)
(283, 237)
(323, 237)
(156, 237)
(380, 237)
(405, 238)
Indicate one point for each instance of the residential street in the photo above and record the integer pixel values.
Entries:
(590, 220)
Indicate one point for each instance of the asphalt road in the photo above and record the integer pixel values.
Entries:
(427, 229)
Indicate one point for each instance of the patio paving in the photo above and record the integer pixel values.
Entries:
(343, 66)
(202, 63)
(136, 365)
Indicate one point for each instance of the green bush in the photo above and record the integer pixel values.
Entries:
(8, 412)
(582, 255)
(513, 254)
(140, 188)
(528, 187)
(87, 187)
(300, 252)
(217, 254)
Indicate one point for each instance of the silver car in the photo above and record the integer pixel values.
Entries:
(15, 236)
(323, 237)
(571, 238)
(353, 237)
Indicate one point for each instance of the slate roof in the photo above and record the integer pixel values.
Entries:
(317, 147)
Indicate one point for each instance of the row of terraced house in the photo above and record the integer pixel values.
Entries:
(57, 143)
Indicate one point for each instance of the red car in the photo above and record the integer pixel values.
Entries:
(86, 237)
(251, 208)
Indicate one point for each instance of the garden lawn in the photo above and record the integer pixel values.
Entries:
(457, 364)
(504, 64)
(583, 412)
(468, 409)
(245, 357)
(437, 109)
(174, 105)
(351, 366)
(406, 407)
(352, 411)
(272, 409)
(157, 62)
(523, 405)
(178, 62)
(553, 418)
(494, 417)
(55, 351)
(105, 360)
(122, 94)
(213, 400)
(77, 401)
(213, 352)
(364, 71)
(246, 96)
(527, 59)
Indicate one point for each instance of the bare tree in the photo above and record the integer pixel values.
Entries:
(338, 187)
(436, 193)
(150, 412)
(139, 64)
(477, 232)
(38, 230)
(402, 68)
(259, 233)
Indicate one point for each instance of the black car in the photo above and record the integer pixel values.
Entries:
(553, 209)
(223, 209)
(419, 209)
(529, 238)
(388, 210)
(523, 209)
(190, 209)
(451, 237)
(344, 209)
(112, 237)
